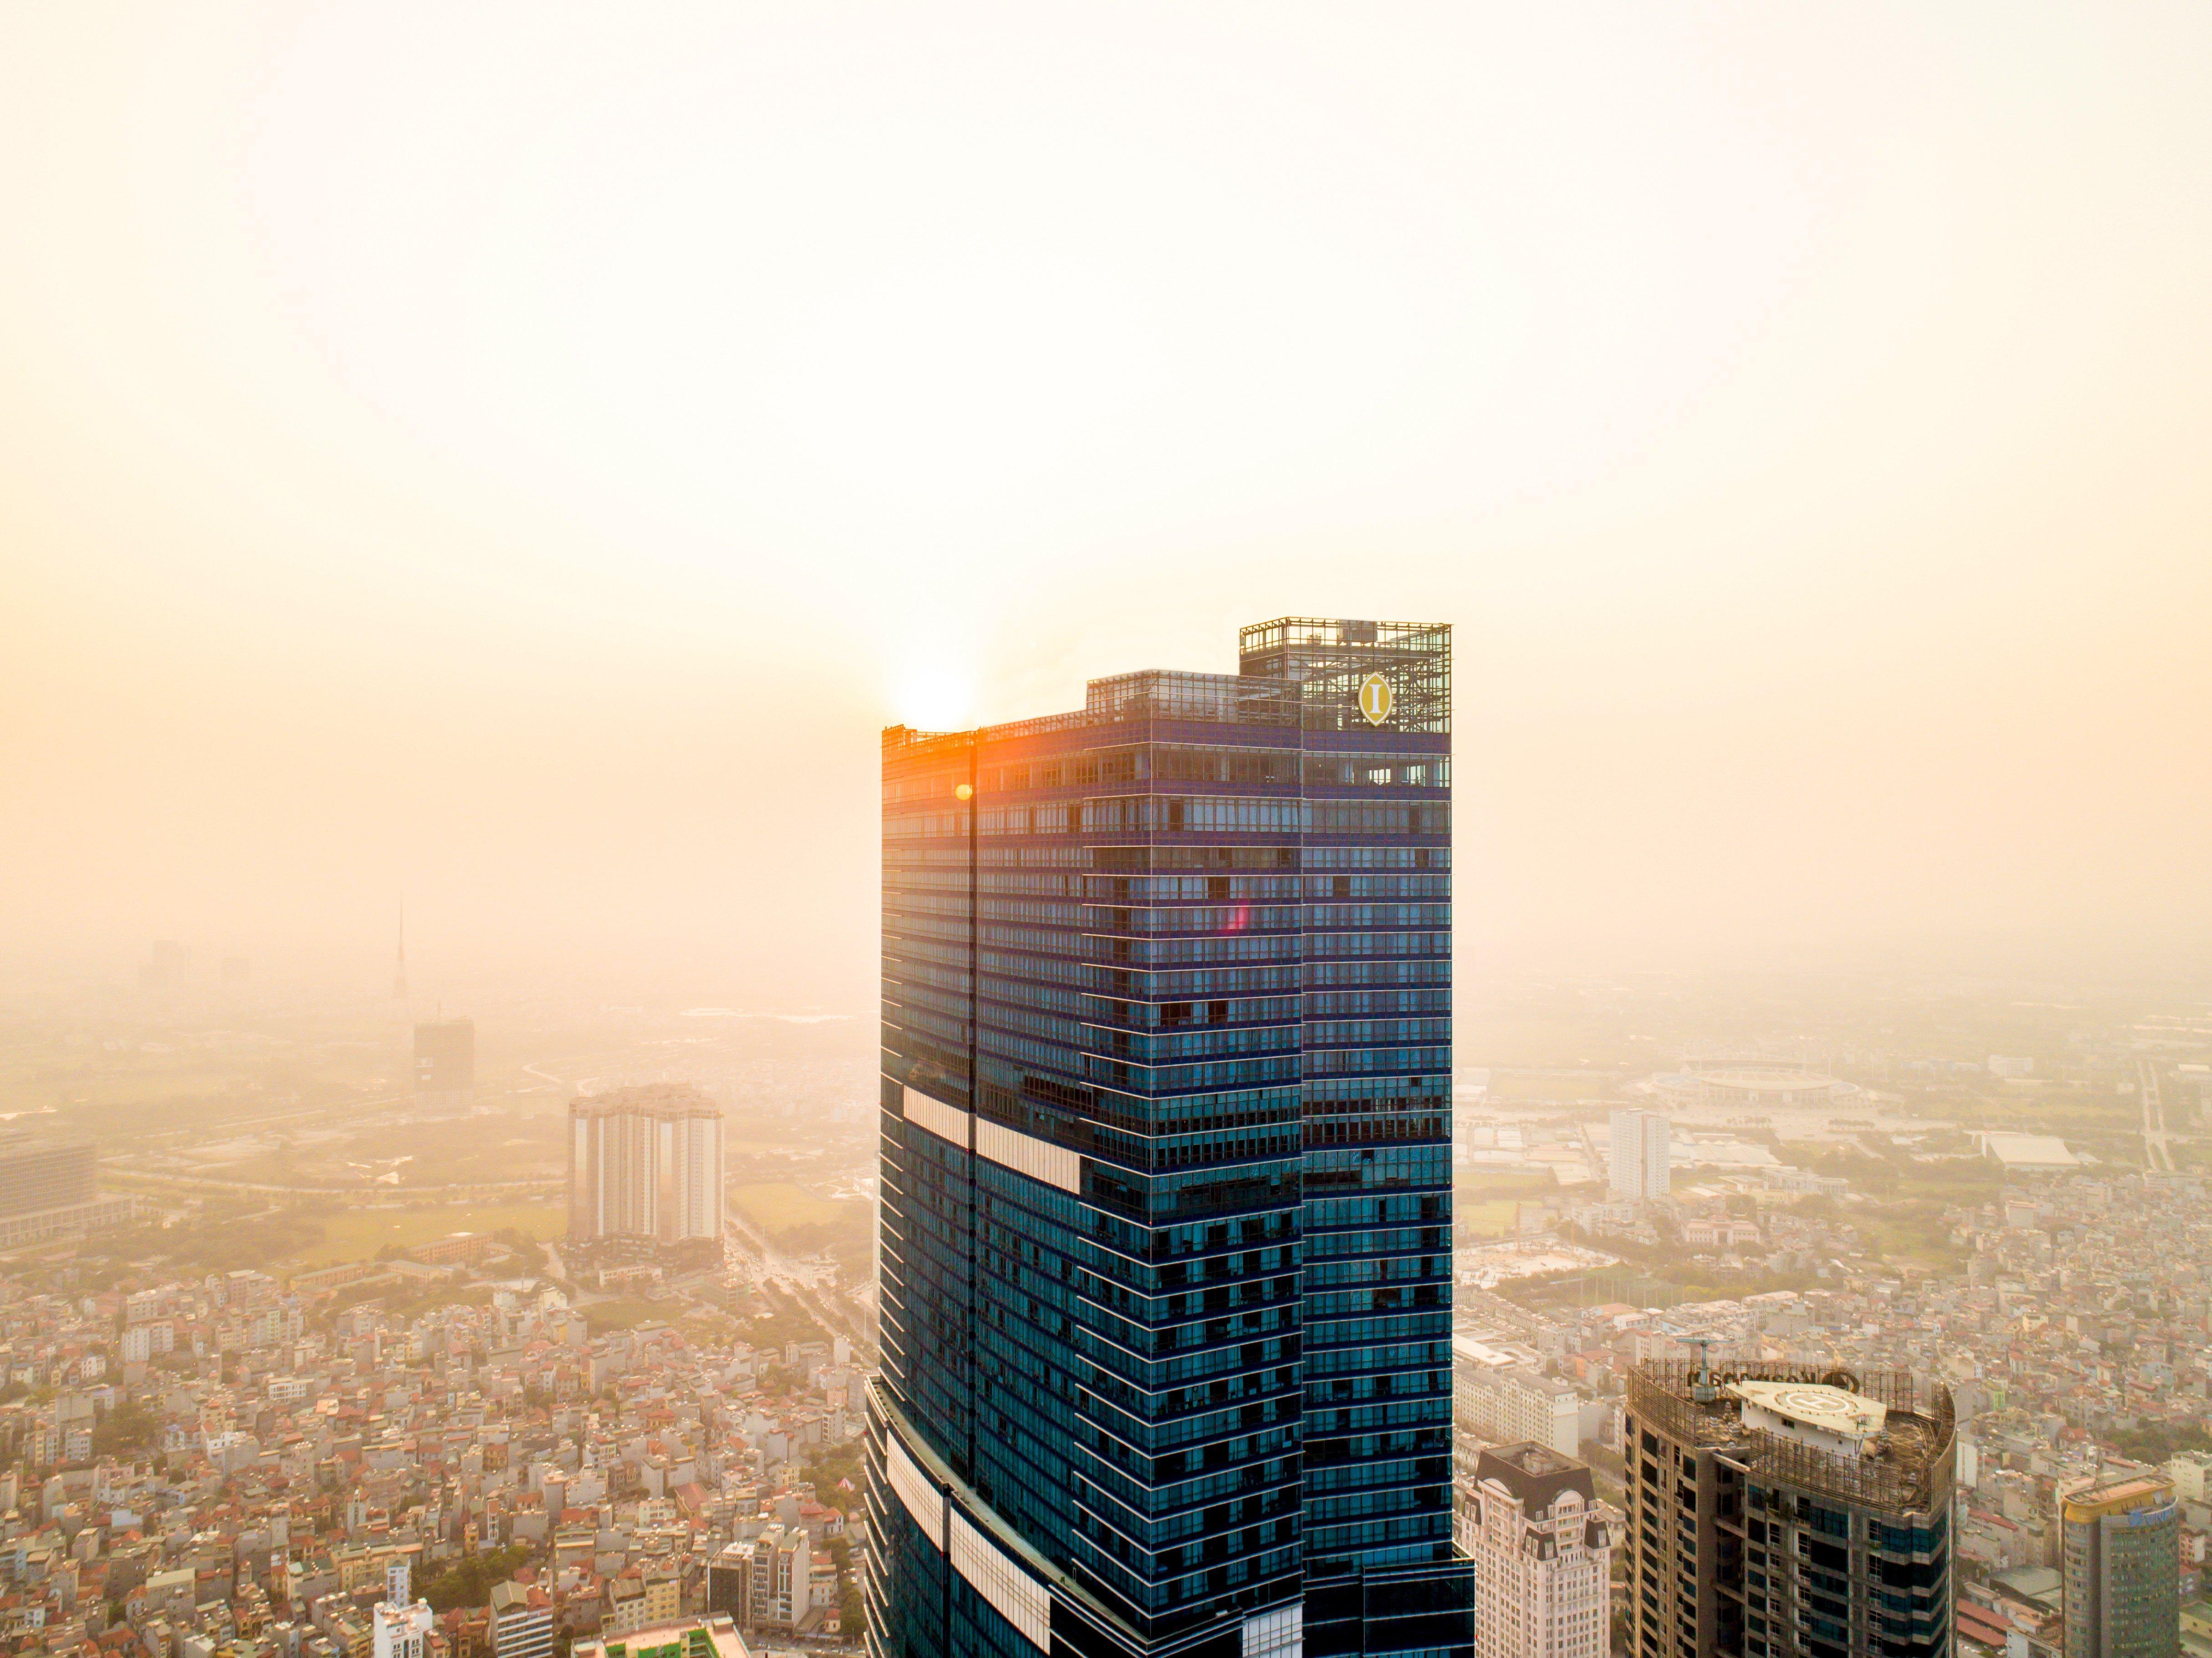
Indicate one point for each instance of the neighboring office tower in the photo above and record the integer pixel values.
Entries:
(445, 1056)
(728, 1587)
(1542, 1544)
(645, 1163)
(38, 1175)
(1166, 1217)
(2121, 1568)
(1637, 1156)
(1778, 1511)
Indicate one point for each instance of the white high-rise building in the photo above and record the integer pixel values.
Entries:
(781, 1580)
(1542, 1544)
(1518, 1403)
(645, 1163)
(1640, 1160)
(401, 1628)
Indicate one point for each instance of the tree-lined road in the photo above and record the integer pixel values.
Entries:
(771, 1265)
(2158, 1155)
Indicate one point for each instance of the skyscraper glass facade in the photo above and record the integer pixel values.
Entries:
(1166, 1217)
(2121, 1563)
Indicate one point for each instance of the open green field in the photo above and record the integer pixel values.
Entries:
(627, 1313)
(358, 1234)
(777, 1207)
(1486, 1185)
(1485, 1220)
(1506, 1086)
(1911, 1235)
(2064, 1111)
(440, 1152)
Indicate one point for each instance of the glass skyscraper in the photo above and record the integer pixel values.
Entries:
(1166, 1206)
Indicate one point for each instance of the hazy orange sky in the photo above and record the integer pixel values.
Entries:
(520, 455)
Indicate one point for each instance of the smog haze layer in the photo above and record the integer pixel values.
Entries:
(518, 463)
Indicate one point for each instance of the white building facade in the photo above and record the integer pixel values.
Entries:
(1542, 1545)
(400, 1627)
(1508, 1403)
(645, 1163)
(1639, 1157)
(521, 1621)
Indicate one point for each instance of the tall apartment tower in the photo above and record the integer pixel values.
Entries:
(1542, 1545)
(1166, 1215)
(2121, 1568)
(400, 1625)
(1639, 1157)
(1778, 1511)
(645, 1163)
(780, 1585)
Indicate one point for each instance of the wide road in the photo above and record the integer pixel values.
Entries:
(2158, 1155)
(771, 1265)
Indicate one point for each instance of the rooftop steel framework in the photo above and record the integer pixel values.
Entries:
(1326, 660)
(1906, 1469)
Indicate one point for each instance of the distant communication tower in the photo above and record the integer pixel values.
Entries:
(400, 978)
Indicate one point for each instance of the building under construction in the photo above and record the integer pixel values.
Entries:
(1786, 1511)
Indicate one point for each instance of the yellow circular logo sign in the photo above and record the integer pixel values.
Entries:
(1376, 698)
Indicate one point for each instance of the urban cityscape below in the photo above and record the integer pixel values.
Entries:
(729, 928)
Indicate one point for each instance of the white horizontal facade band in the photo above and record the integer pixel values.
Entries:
(1026, 1154)
(947, 1122)
(918, 1493)
(1018, 1597)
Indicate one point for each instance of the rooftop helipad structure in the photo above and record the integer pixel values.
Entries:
(1833, 1417)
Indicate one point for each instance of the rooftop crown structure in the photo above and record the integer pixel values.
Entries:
(1542, 1544)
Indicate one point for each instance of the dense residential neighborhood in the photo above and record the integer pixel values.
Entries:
(2076, 1342)
(231, 1465)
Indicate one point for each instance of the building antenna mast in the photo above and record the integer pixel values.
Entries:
(1701, 1380)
